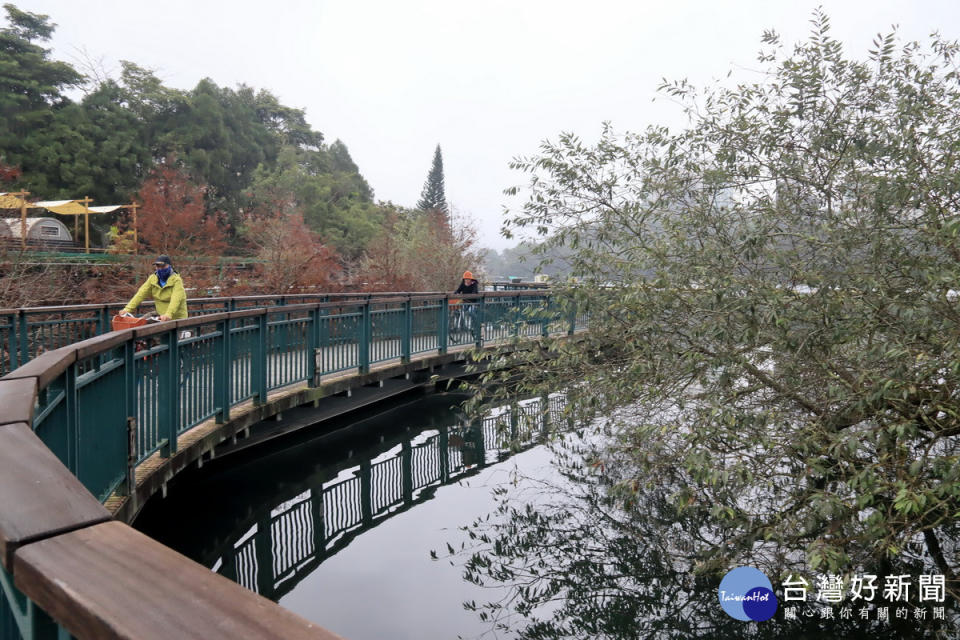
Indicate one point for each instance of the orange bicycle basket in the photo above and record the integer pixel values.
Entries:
(119, 323)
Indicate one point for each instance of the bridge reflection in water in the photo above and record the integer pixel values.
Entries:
(287, 517)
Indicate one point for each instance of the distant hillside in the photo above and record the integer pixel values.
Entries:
(522, 262)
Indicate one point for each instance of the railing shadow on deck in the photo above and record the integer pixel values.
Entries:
(75, 423)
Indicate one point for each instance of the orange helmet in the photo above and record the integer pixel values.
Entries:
(467, 275)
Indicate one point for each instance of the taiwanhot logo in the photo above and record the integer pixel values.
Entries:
(746, 594)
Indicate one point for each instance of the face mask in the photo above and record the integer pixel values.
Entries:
(165, 272)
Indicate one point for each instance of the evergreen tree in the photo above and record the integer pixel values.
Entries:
(433, 196)
(30, 82)
(243, 145)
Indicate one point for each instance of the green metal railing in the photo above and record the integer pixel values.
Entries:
(169, 378)
(109, 402)
(28, 332)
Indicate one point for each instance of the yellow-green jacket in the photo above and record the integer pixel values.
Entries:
(170, 300)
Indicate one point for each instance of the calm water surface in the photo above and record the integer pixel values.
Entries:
(339, 530)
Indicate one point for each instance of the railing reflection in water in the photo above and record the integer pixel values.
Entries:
(287, 541)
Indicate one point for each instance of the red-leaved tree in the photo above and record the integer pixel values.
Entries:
(292, 257)
(173, 219)
(8, 173)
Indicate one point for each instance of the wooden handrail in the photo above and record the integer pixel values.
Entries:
(100, 578)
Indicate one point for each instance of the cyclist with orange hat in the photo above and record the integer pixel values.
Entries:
(468, 284)
(465, 313)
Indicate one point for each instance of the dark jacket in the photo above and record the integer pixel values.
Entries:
(468, 288)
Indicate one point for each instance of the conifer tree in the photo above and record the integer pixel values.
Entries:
(433, 197)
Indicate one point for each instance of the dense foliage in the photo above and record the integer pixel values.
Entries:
(231, 143)
(773, 310)
(581, 563)
(240, 158)
(420, 251)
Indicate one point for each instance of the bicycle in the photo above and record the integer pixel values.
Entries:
(461, 322)
(123, 321)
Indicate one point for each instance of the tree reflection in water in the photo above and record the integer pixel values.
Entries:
(580, 562)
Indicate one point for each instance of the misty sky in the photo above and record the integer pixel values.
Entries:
(486, 80)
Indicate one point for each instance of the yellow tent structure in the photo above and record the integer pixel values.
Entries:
(12, 200)
(63, 207)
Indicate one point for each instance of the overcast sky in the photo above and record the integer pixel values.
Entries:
(488, 80)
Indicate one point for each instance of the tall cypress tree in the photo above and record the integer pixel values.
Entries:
(433, 197)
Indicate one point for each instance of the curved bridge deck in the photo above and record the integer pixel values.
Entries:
(112, 418)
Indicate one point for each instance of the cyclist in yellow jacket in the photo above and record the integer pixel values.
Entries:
(165, 288)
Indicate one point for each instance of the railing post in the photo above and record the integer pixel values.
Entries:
(228, 569)
(444, 324)
(103, 320)
(264, 554)
(221, 373)
(313, 346)
(518, 315)
(546, 417)
(444, 444)
(366, 492)
(130, 401)
(545, 321)
(172, 380)
(11, 346)
(23, 330)
(323, 340)
(479, 442)
(73, 419)
(406, 332)
(319, 528)
(406, 470)
(262, 352)
(129, 485)
(366, 335)
(478, 322)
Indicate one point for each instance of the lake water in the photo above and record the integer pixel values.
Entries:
(339, 529)
(367, 572)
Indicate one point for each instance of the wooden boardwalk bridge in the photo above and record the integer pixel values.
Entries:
(90, 429)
